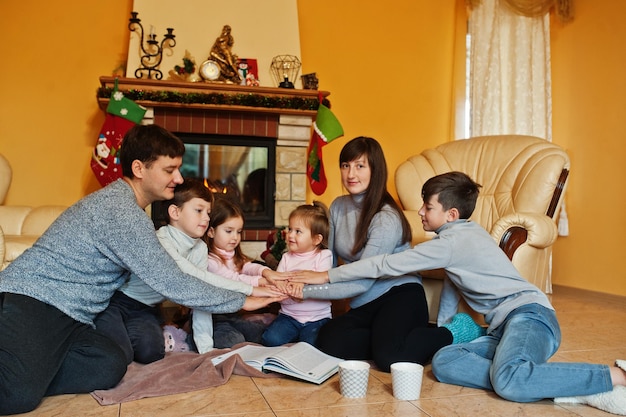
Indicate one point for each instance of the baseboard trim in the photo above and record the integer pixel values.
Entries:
(562, 289)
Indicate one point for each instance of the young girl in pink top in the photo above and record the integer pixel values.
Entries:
(227, 260)
(307, 237)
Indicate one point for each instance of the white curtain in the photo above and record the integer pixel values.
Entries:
(510, 91)
(510, 81)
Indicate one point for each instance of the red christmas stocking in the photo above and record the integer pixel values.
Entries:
(122, 114)
(105, 159)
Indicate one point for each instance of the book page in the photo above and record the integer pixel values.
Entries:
(301, 357)
(305, 362)
(253, 355)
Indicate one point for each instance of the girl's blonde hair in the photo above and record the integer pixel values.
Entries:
(315, 217)
(224, 209)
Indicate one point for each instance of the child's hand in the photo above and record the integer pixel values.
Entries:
(266, 292)
(255, 303)
(272, 276)
(309, 277)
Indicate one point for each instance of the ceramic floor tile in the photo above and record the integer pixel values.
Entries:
(394, 409)
(239, 395)
(286, 394)
(73, 405)
(489, 405)
(602, 356)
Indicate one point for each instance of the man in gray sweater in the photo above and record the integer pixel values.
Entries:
(50, 295)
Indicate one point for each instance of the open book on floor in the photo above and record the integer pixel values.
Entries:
(300, 360)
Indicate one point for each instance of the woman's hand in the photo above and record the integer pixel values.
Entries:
(309, 277)
(295, 290)
(266, 292)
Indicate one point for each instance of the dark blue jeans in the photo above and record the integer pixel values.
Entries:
(45, 352)
(285, 329)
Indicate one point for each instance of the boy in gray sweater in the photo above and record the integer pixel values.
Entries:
(512, 359)
(50, 295)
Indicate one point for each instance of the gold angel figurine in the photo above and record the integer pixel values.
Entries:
(221, 52)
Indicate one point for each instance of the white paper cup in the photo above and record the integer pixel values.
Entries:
(353, 378)
(406, 379)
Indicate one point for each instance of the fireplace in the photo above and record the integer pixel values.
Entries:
(239, 168)
(287, 130)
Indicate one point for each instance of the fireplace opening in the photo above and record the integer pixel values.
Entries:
(240, 168)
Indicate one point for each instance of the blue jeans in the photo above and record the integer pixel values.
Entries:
(285, 329)
(512, 361)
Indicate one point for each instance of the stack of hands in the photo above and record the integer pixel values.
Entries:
(281, 285)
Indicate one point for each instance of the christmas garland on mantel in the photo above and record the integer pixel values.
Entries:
(236, 99)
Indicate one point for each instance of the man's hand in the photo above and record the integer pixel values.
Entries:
(255, 303)
(309, 277)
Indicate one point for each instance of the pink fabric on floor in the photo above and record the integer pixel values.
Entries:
(177, 373)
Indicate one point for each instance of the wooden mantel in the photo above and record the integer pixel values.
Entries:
(127, 85)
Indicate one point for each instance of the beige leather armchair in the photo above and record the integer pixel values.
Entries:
(522, 178)
(20, 226)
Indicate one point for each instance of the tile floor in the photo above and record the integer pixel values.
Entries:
(593, 330)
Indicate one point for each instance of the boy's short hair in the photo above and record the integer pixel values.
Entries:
(147, 143)
(189, 189)
(454, 190)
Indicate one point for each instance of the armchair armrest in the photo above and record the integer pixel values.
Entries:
(513, 230)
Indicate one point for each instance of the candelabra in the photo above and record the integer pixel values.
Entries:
(152, 51)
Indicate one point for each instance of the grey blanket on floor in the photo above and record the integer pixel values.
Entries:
(177, 373)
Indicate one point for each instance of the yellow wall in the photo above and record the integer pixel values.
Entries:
(589, 114)
(52, 56)
(389, 78)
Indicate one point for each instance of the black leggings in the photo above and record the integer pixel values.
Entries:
(392, 328)
(45, 352)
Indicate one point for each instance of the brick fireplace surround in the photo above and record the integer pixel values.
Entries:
(291, 128)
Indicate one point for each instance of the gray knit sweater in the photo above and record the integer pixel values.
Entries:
(89, 251)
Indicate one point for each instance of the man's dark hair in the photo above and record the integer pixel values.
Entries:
(455, 190)
(147, 143)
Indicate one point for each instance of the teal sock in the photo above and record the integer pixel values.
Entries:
(464, 329)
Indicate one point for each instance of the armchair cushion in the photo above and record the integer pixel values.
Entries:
(21, 226)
